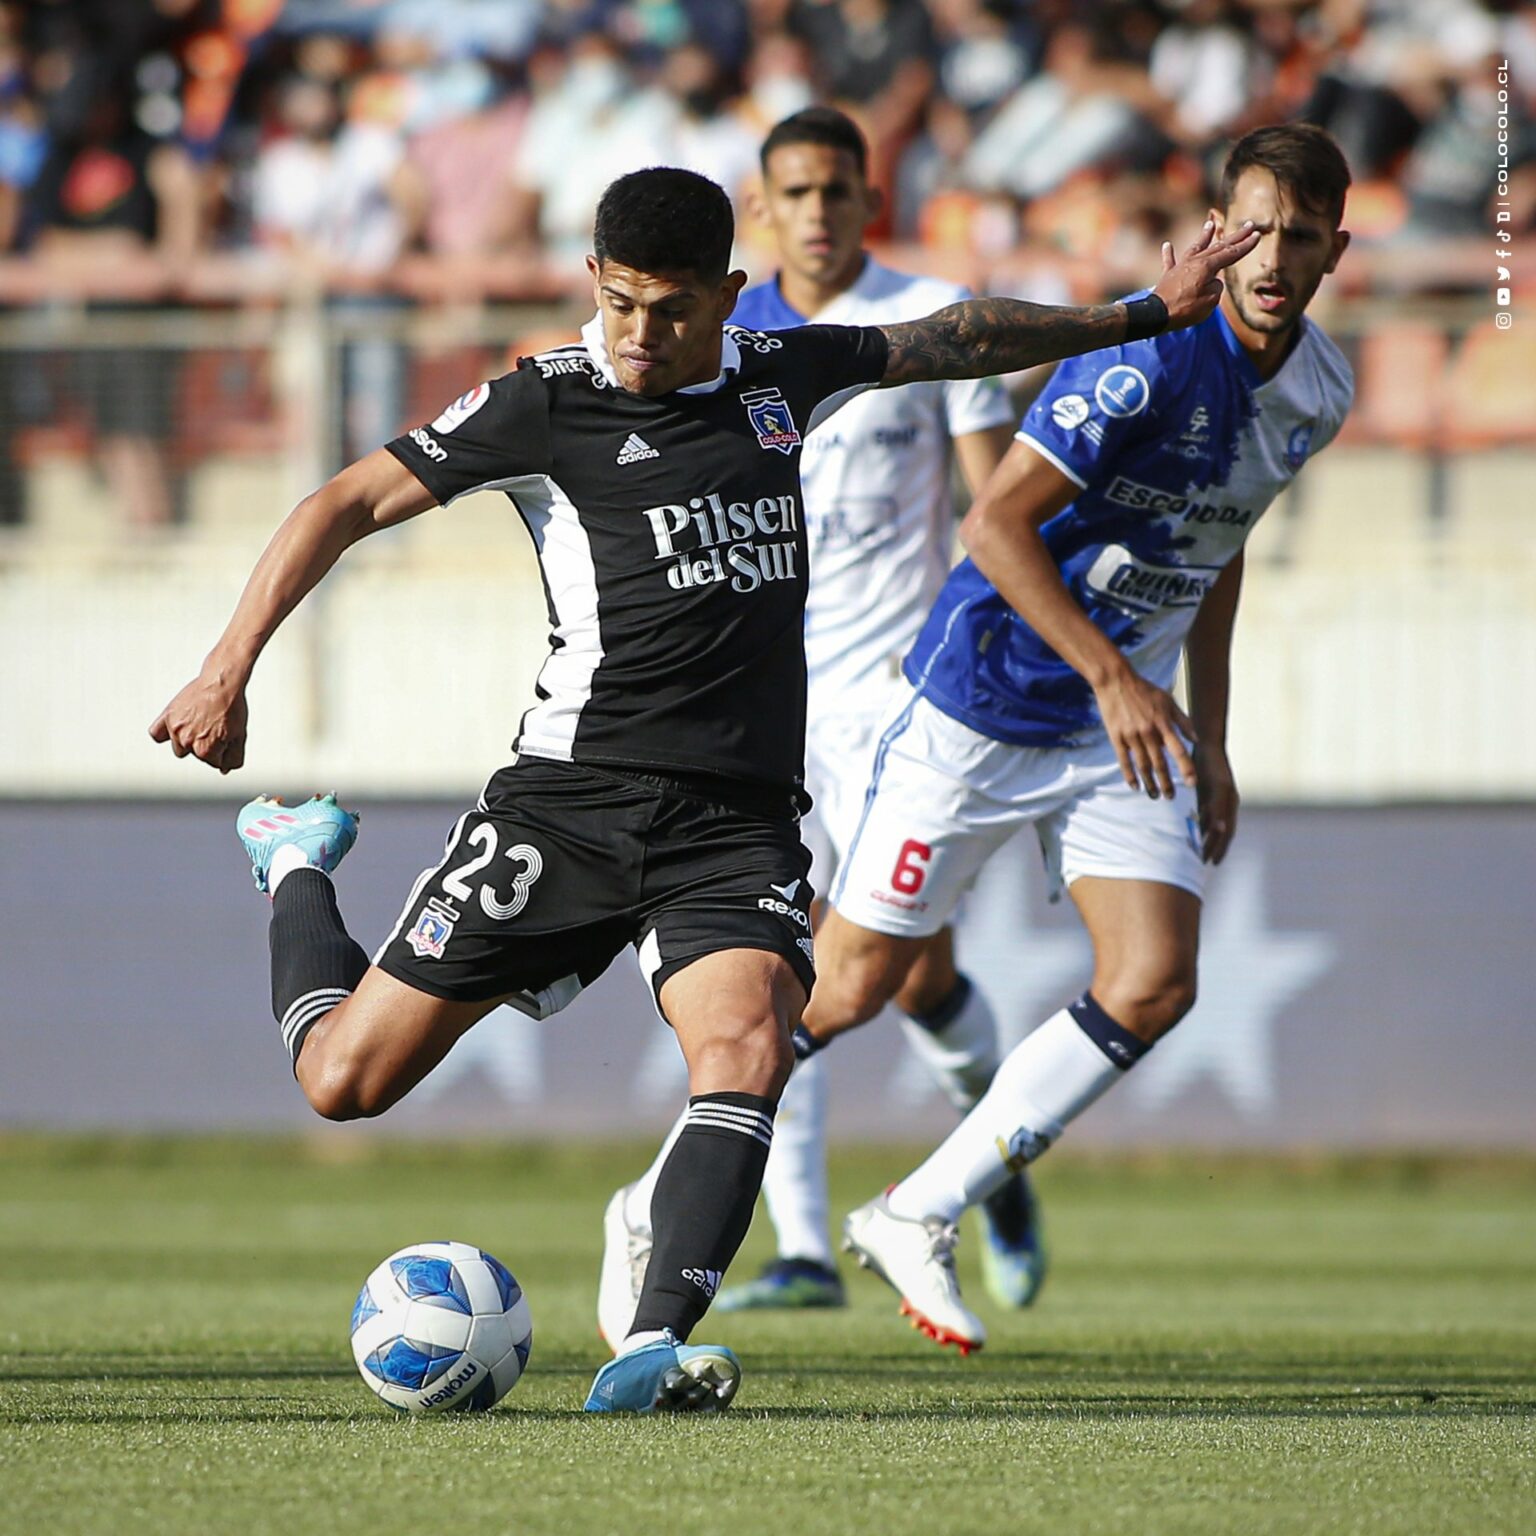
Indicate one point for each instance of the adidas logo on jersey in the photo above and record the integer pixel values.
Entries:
(635, 448)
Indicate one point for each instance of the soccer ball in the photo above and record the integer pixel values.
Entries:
(441, 1326)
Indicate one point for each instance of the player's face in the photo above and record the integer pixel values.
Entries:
(817, 205)
(1298, 246)
(662, 328)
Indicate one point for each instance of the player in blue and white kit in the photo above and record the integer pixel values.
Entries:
(880, 526)
(1108, 544)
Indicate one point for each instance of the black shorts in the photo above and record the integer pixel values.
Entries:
(563, 865)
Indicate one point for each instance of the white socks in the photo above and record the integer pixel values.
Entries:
(637, 1203)
(961, 1054)
(1044, 1083)
(284, 861)
(795, 1181)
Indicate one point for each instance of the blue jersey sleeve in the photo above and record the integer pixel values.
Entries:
(1097, 405)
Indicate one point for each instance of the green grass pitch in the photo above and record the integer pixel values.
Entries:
(1224, 1346)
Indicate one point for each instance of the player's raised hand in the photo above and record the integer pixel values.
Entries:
(1146, 727)
(206, 720)
(1191, 285)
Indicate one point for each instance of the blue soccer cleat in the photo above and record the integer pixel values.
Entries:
(785, 1284)
(667, 1377)
(319, 828)
(1013, 1259)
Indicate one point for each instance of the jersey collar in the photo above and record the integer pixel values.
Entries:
(596, 343)
(864, 286)
(1245, 364)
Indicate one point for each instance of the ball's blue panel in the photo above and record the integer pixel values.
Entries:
(363, 1308)
(523, 1351)
(434, 1281)
(411, 1364)
(509, 1288)
(483, 1397)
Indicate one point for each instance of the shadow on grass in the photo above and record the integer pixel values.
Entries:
(1015, 1386)
(1369, 1407)
(108, 1372)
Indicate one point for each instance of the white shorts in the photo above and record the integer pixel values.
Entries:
(839, 754)
(943, 798)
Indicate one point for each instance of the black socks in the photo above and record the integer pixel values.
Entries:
(702, 1207)
(315, 965)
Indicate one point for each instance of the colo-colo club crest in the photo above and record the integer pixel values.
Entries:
(768, 412)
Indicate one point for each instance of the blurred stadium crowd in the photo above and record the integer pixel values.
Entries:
(347, 135)
(377, 156)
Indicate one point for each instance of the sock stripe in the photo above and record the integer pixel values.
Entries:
(747, 1117)
(306, 1009)
(762, 1128)
(308, 1016)
(333, 995)
(726, 1117)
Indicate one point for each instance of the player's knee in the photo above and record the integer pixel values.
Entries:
(927, 984)
(857, 980)
(340, 1089)
(743, 1056)
(1150, 1003)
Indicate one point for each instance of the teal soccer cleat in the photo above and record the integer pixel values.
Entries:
(1013, 1258)
(320, 829)
(785, 1284)
(667, 1377)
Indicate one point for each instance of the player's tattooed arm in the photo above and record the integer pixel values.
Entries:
(979, 337)
(987, 336)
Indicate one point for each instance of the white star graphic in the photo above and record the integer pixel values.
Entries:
(1249, 975)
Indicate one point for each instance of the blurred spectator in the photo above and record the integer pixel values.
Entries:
(988, 49)
(778, 78)
(873, 58)
(1209, 74)
(121, 214)
(340, 197)
(23, 142)
(468, 172)
(590, 121)
(1067, 118)
(704, 134)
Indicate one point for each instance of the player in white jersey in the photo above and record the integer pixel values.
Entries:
(1108, 543)
(880, 526)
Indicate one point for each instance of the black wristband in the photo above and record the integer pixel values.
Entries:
(804, 1042)
(1145, 317)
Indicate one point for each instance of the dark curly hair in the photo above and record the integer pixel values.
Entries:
(665, 220)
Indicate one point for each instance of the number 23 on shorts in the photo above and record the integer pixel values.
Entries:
(531, 863)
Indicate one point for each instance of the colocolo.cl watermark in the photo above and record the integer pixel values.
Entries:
(1503, 216)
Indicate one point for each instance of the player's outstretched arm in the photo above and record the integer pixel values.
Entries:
(207, 719)
(986, 336)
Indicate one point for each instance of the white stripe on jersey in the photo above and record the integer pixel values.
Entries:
(565, 553)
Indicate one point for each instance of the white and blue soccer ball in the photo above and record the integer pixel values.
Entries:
(439, 1327)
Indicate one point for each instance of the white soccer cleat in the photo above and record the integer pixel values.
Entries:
(917, 1259)
(626, 1256)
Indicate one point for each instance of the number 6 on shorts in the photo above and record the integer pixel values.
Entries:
(911, 867)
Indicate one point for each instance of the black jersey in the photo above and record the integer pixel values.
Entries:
(671, 537)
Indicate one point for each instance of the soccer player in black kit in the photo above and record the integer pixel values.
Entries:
(654, 794)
